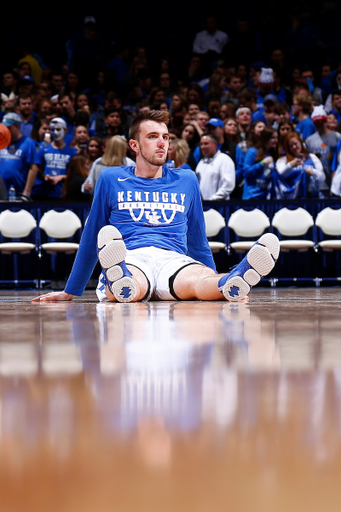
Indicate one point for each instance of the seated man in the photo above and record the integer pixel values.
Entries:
(150, 231)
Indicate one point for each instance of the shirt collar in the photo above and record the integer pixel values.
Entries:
(211, 159)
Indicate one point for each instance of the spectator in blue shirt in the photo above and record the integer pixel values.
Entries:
(53, 161)
(25, 109)
(18, 159)
(301, 109)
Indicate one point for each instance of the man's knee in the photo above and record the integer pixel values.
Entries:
(189, 278)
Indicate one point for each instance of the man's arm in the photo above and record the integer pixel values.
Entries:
(31, 176)
(197, 243)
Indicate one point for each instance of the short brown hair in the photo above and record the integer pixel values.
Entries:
(160, 116)
(248, 93)
(305, 101)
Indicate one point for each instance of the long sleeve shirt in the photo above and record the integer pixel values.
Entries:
(164, 212)
(217, 177)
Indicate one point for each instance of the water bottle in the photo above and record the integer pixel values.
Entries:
(11, 194)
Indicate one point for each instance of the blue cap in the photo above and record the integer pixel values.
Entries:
(28, 78)
(215, 122)
(11, 118)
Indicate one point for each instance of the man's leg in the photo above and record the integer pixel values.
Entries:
(197, 282)
(123, 283)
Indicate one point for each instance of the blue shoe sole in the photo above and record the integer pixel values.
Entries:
(259, 261)
(112, 252)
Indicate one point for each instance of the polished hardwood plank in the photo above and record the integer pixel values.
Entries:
(189, 406)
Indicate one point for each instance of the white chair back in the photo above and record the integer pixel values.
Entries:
(214, 222)
(60, 224)
(329, 220)
(292, 222)
(16, 224)
(248, 224)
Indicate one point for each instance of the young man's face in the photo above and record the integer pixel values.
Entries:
(153, 143)
(202, 120)
(193, 110)
(25, 106)
(57, 81)
(305, 75)
(57, 132)
(244, 118)
(113, 119)
(8, 80)
(235, 84)
(65, 105)
(277, 57)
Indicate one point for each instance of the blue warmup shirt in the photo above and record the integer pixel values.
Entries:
(15, 162)
(305, 128)
(53, 162)
(164, 212)
(257, 177)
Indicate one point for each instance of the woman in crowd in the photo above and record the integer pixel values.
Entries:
(156, 95)
(41, 132)
(114, 155)
(231, 130)
(80, 141)
(228, 110)
(217, 85)
(195, 94)
(83, 102)
(190, 135)
(301, 172)
(259, 165)
(72, 85)
(256, 129)
(284, 128)
(46, 109)
(95, 150)
(179, 152)
(178, 110)
(242, 72)
(76, 174)
(332, 123)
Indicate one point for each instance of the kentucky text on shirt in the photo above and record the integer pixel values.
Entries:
(153, 201)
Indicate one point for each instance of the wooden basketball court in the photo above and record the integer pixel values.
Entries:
(165, 406)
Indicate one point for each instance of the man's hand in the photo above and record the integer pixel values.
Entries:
(53, 297)
(87, 187)
(55, 179)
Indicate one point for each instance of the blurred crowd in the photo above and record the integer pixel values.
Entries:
(252, 130)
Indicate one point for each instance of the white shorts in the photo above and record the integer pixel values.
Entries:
(159, 266)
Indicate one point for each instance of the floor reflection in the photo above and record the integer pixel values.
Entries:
(257, 382)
